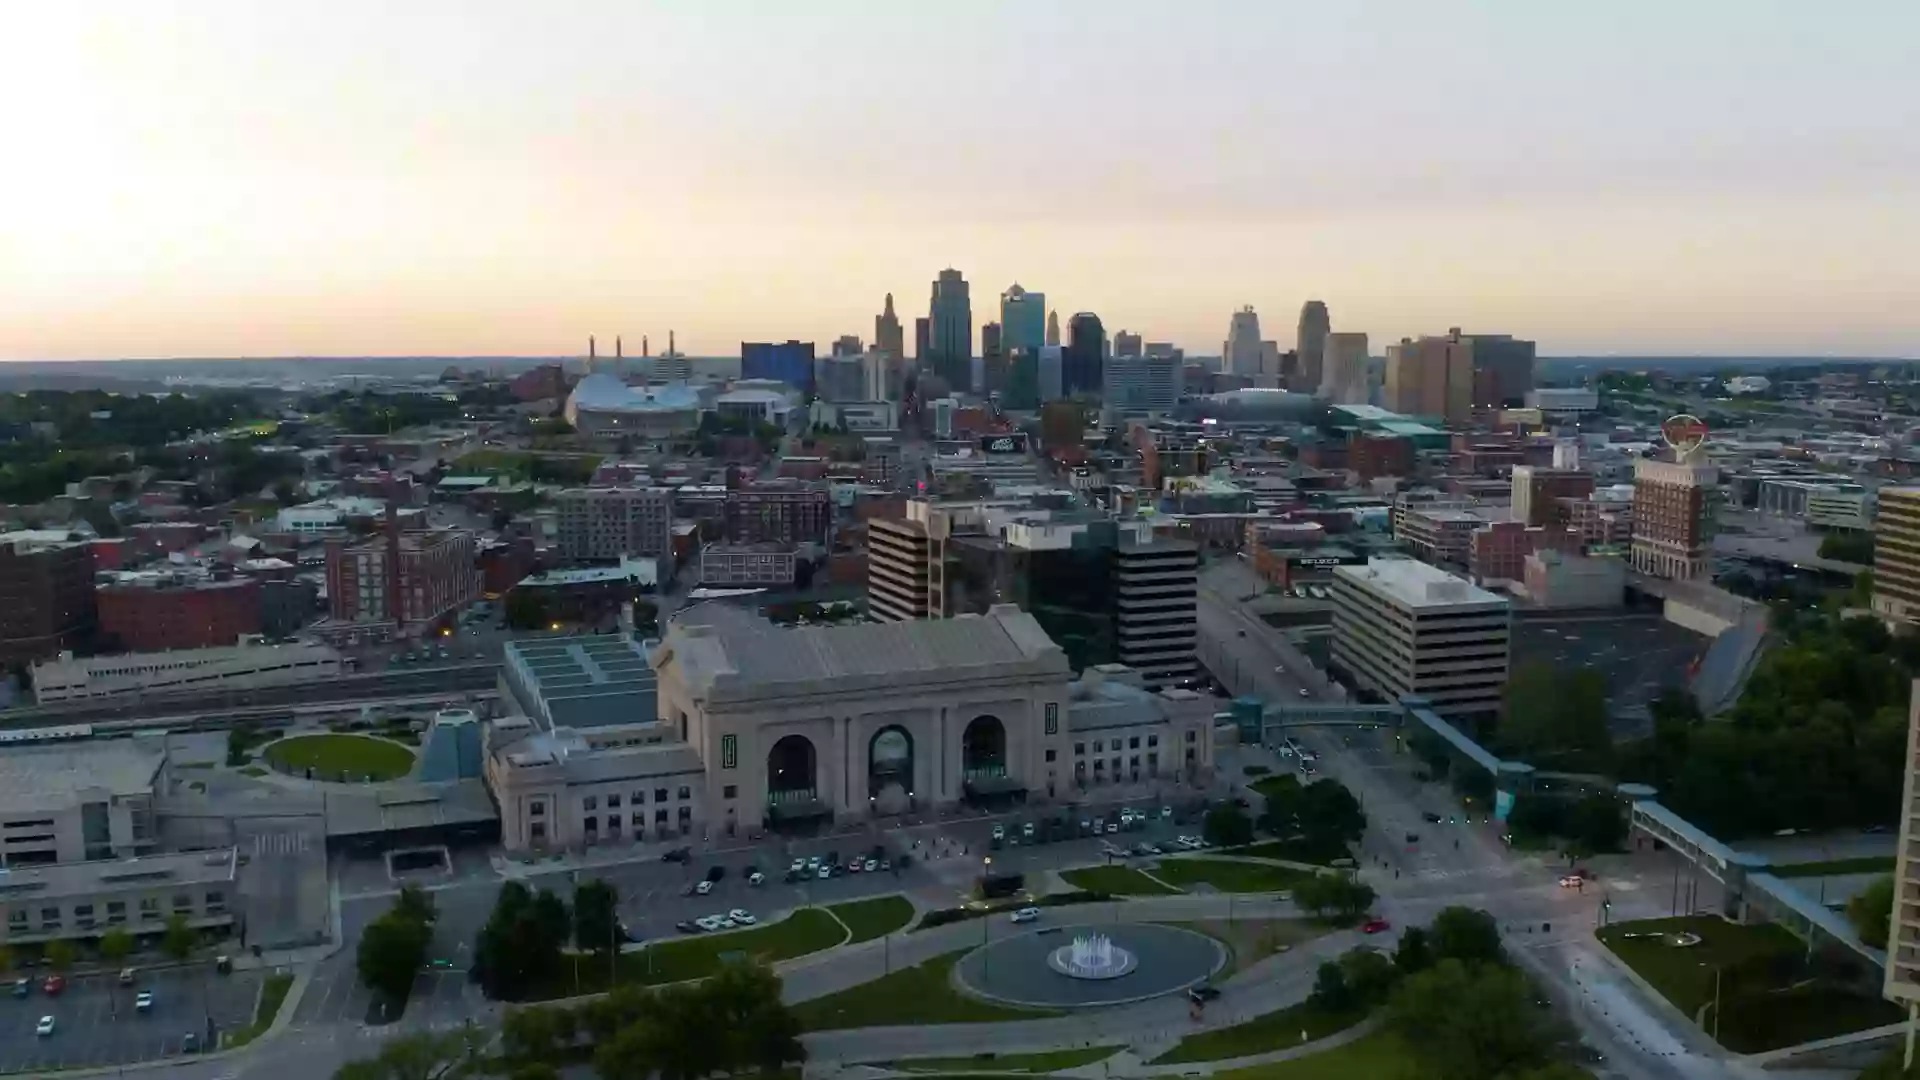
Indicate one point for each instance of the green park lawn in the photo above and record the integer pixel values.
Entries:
(877, 917)
(807, 930)
(1250, 941)
(1115, 881)
(1765, 1006)
(1379, 1056)
(922, 994)
(1227, 875)
(1263, 1034)
(1301, 850)
(1049, 1061)
(331, 756)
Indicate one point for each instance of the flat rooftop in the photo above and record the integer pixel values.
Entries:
(1415, 584)
(588, 680)
(29, 883)
(35, 779)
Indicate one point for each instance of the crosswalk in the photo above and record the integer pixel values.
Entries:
(282, 844)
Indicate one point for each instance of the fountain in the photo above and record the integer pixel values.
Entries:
(1091, 956)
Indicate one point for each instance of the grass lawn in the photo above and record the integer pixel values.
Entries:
(1250, 941)
(1764, 1006)
(251, 770)
(1302, 850)
(329, 756)
(1115, 880)
(1050, 1061)
(1263, 1034)
(272, 994)
(869, 919)
(1380, 1056)
(1229, 876)
(922, 994)
(1867, 865)
(807, 930)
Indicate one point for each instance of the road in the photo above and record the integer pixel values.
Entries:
(1419, 866)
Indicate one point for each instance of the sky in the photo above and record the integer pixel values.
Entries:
(485, 177)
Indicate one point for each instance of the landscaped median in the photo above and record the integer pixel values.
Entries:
(922, 994)
(1228, 875)
(1281, 1030)
(1044, 1062)
(873, 918)
(1769, 996)
(1116, 881)
(806, 930)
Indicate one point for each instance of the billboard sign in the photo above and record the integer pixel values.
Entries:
(1686, 433)
(1010, 442)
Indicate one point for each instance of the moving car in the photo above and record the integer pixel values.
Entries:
(1304, 692)
(1431, 817)
(1026, 915)
(1573, 881)
(1375, 926)
(143, 1001)
(741, 917)
(44, 1027)
(54, 985)
(126, 976)
(22, 987)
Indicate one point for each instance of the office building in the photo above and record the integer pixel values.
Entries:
(923, 343)
(1023, 319)
(1084, 362)
(1051, 370)
(1560, 579)
(1497, 552)
(245, 666)
(409, 580)
(77, 802)
(1155, 603)
(902, 560)
(779, 512)
(1502, 370)
(756, 566)
(1240, 354)
(1126, 344)
(847, 345)
(150, 612)
(789, 362)
(1137, 384)
(1537, 492)
(603, 524)
(1053, 328)
(1402, 628)
(1896, 556)
(46, 594)
(1343, 379)
(1901, 982)
(886, 332)
(1672, 516)
(993, 361)
(1310, 344)
(74, 901)
(1431, 377)
(950, 314)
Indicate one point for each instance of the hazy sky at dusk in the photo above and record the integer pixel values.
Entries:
(204, 178)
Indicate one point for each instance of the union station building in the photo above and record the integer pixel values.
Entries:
(756, 727)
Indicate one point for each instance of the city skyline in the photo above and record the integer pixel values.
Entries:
(217, 182)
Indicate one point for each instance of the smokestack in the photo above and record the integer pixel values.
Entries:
(646, 349)
(593, 349)
(672, 349)
(617, 355)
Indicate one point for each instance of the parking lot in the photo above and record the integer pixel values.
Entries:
(95, 1022)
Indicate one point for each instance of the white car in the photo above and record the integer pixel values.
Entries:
(741, 917)
(703, 888)
(44, 1027)
(710, 923)
(756, 878)
(825, 872)
(872, 865)
(1026, 915)
(143, 1001)
(999, 832)
(799, 866)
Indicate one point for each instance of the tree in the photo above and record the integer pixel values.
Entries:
(116, 945)
(6, 958)
(1596, 823)
(1370, 974)
(1470, 1022)
(1334, 894)
(1550, 711)
(595, 916)
(537, 1032)
(551, 916)
(518, 948)
(1328, 809)
(1330, 990)
(1872, 910)
(60, 954)
(426, 1056)
(1466, 934)
(178, 940)
(415, 903)
(1227, 825)
(392, 948)
(673, 1035)
(1414, 954)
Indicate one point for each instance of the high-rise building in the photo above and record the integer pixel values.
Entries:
(46, 594)
(408, 579)
(1672, 515)
(951, 314)
(1053, 328)
(1403, 628)
(1310, 344)
(1431, 377)
(1537, 492)
(790, 362)
(1023, 319)
(602, 524)
(886, 332)
(1126, 343)
(1896, 556)
(1901, 982)
(779, 512)
(993, 360)
(1502, 370)
(1136, 384)
(1343, 377)
(1051, 368)
(923, 343)
(847, 345)
(1240, 355)
(1084, 361)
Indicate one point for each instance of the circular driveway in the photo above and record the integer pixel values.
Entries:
(1015, 970)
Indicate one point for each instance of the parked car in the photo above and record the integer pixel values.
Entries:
(1026, 915)
(999, 832)
(688, 926)
(798, 865)
(756, 878)
(1573, 881)
(1430, 817)
(44, 1027)
(189, 1043)
(825, 872)
(126, 976)
(872, 865)
(22, 987)
(678, 855)
(703, 887)
(855, 866)
(715, 873)
(741, 917)
(1375, 926)
(709, 923)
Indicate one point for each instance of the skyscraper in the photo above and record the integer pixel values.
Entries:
(923, 341)
(1502, 369)
(1310, 343)
(847, 345)
(886, 332)
(1431, 377)
(1084, 360)
(1343, 378)
(993, 359)
(1023, 319)
(790, 363)
(950, 314)
(1053, 328)
(1241, 353)
(1125, 344)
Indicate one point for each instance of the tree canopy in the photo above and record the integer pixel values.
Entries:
(1471, 1021)
(519, 947)
(1555, 713)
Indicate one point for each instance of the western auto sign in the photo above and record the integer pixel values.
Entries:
(1685, 433)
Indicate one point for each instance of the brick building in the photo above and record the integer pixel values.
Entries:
(411, 579)
(160, 612)
(781, 512)
(1497, 553)
(603, 524)
(1537, 493)
(46, 594)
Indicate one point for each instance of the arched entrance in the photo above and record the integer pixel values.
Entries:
(890, 770)
(793, 787)
(983, 749)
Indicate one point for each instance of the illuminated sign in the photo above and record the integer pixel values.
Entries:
(1685, 433)
(1014, 443)
(729, 751)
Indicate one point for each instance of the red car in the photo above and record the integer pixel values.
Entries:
(1375, 926)
(53, 985)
